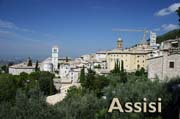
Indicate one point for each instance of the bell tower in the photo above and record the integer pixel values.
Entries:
(119, 43)
(55, 51)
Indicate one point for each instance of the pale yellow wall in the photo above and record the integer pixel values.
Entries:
(130, 60)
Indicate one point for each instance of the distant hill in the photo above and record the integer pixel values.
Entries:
(169, 35)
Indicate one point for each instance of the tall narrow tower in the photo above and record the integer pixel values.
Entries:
(55, 51)
(119, 43)
(153, 39)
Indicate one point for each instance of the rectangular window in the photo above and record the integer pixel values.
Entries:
(171, 64)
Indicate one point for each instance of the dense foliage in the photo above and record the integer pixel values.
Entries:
(94, 82)
(9, 84)
(8, 87)
(23, 96)
(4, 67)
(120, 71)
(169, 35)
(28, 105)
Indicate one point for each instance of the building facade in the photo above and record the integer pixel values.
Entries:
(101, 55)
(17, 69)
(134, 58)
(167, 64)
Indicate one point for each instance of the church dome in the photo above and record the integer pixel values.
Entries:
(119, 39)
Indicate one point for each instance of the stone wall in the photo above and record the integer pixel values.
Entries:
(160, 66)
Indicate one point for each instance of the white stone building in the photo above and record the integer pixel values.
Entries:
(17, 69)
(100, 64)
(86, 57)
(101, 55)
(46, 65)
(166, 65)
(64, 71)
(74, 75)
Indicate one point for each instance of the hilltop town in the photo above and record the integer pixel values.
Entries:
(133, 77)
(158, 60)
(147, 56)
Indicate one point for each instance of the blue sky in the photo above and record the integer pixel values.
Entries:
(32, 27)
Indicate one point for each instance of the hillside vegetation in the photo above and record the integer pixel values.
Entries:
(23, 96)
(169, 35)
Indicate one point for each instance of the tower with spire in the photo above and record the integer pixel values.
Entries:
(119, 43)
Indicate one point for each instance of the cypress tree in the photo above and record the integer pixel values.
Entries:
(122, 66)
(82, 76)
(116, 68)
(67, 59)
(37, 66)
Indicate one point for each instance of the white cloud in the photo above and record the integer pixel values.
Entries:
(166, 11)
(4, 32)
(157, 29)
(169, 27)
(11, 31)
(166, 27)
(7, 24)
(11, 26)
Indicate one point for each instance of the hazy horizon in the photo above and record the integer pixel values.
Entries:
(31, 28)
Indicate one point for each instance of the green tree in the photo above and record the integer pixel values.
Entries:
(79, 107)
(82, 76)
(29, 105)
(4, 68)
(37, 66)
(99, 83)
(169, 35)
(122, 66)
(89, 80)
(134, 90)
(46, 84)
(22, 81)
(123, 73)
(7, 87)
(67, 59)
(37, 80)
(116, 67)
(140, 72)
(74, 91)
